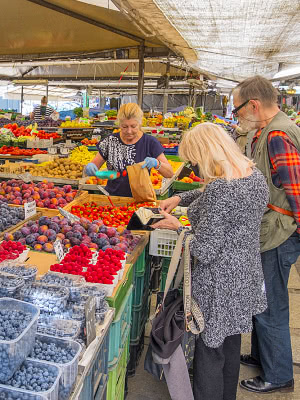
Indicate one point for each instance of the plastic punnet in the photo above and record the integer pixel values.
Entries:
(14, 352)
(7, 392)
(69, 369)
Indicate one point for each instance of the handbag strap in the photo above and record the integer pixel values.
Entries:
(191, 308)
(174, 264)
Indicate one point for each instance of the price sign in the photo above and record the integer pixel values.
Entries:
(94, 257)
(26, 177)
(30, 209)
(97, 137)
(90, 321)
(59, 251)
(68, 215)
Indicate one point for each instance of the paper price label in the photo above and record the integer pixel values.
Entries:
(26, 177)
(90, 320)
(30, 209)
(94, 257)
(59, 251)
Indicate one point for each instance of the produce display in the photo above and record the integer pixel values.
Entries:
(89, 142)
(156, 178)
(16, 151)
(25, 271)
(51, 352)
(92, 180)
(44, 135)
(18, 131)
(191, 178)
(75, 124)
(82, 155)
(9, 284)
(36, 377)
(60, 168)
(48, 298)
(10, 250)
(117, 217)
(41, 234)
(10, 216)
(44, 193)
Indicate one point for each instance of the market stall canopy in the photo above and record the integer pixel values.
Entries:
(35, 27)
(232, 39)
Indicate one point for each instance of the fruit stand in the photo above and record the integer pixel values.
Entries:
(82, 259)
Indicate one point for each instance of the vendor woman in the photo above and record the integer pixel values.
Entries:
(129, 147)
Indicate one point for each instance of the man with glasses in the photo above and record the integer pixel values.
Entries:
(276, 151)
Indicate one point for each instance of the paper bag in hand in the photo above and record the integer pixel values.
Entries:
(140, 183)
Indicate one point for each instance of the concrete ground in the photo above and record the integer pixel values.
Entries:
(144, 387)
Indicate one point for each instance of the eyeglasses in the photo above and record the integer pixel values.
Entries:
(237, 109)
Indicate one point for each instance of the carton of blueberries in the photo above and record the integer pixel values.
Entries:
(61, 352)
(37, 377)
(10, 284)
(73, 282)
(49, 298)
(63, 328)
(25, 271)
(9, 393)
(18, 324)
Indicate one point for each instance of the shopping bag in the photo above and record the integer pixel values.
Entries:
(140, 183)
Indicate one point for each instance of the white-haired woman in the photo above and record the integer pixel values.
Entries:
(227, 277)
(128, 147)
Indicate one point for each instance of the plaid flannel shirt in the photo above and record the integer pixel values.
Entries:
(285, 168)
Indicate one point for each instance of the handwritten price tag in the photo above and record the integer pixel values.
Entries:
(59, 251)
(30, 209)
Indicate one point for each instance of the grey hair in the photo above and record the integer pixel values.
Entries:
(257, 87)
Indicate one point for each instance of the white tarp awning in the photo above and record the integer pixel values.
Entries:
(235, 39)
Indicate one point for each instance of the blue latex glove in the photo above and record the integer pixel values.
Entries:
(91, 169)
(150, 163)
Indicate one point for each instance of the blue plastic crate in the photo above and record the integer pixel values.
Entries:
(120, 328)
(173, 151)
(96, 379)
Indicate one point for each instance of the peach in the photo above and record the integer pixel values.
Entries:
(42, 239)
(38, 247)
(43, 229)
(54, 201)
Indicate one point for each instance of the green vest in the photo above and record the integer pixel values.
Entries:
(276, 228)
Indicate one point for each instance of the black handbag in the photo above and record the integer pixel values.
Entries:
(173, 324)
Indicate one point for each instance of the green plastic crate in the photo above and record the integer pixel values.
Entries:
(139, 266)
(173, 158)
(164, 273)
(117, 301)
(120, 328)
(139, 317)
(141, 285)
(169, 193)
(117, 376)
(183, 186)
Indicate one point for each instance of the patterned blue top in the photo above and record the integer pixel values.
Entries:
(118, 155)
(227, 278)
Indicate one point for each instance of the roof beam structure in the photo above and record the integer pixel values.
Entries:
(88, 20)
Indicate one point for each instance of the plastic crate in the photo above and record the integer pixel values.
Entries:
(70, 369)
(173, 151)
(117, 300)
(10, 284)
(140, 264)
(52, 393)
(135, 351)
(95, 382)
(139, 317)
(117, 376)
(162, 242)
(120, 328)
(18, 394)
(141, 286)
(18, 349)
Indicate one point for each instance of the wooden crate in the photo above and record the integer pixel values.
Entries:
(99, 200)
(14, 228)
(49, 212)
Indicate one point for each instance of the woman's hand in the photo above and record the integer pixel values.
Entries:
(168, 204)
(91, 169)
(150, 162)
(169, 222)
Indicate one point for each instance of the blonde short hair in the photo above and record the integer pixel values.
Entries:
(130, 111)
(44, 100)
(215, 152)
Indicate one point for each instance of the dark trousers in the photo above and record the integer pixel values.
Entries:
(216, 370)
(271, 341)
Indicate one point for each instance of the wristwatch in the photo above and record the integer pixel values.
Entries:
(158, 166)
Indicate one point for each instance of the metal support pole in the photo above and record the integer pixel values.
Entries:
(165, 104)
(47, 91)
(22, 98)
(141, 74)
